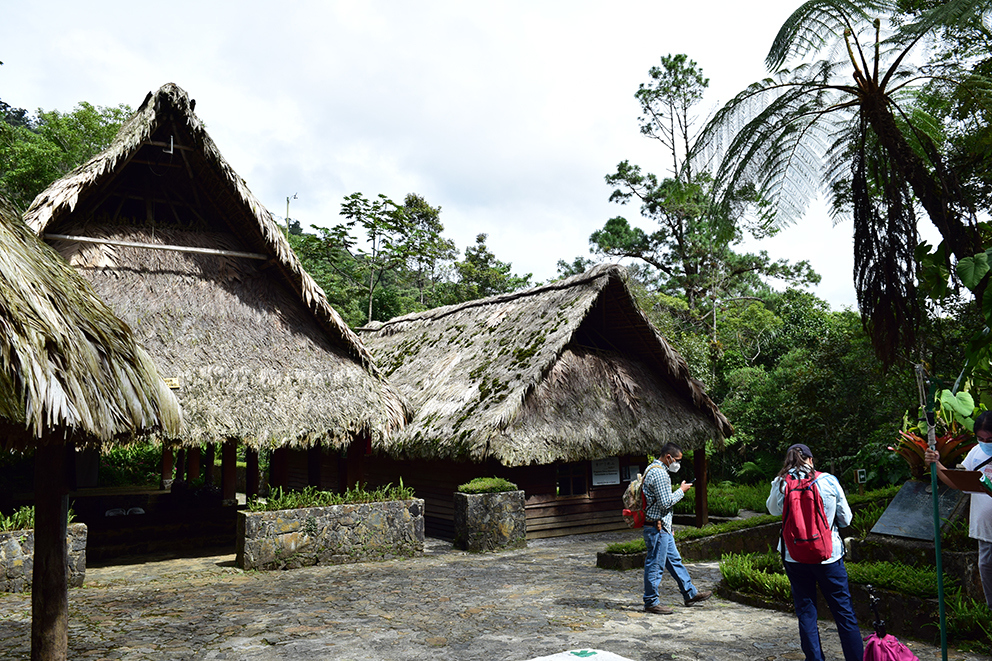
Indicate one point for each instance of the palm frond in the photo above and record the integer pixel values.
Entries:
(817, 24)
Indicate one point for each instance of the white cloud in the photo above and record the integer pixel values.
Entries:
(507, 115)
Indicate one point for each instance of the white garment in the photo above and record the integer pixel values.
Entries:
(980, 525)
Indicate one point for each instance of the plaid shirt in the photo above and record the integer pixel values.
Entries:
(657, 488)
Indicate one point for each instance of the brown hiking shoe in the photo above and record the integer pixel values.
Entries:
(700, 596)
(658, 609)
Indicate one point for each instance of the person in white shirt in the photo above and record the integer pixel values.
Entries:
(980, 516)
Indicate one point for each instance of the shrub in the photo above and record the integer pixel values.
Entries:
(749, 573)
(310, 497)
(133, 465)
(727, 499)
(487, 485)
(896, 576)
(23, 519)
(637, 545)
(19, 520)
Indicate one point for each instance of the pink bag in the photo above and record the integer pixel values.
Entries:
(887, 648)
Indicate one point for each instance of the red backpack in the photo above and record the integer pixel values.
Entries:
(805, 529)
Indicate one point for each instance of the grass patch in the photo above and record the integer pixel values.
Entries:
(310, 497)
(637, 545)
(487, 485)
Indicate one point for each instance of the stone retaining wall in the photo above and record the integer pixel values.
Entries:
(17, 558)
(490, 521)
(287, 539)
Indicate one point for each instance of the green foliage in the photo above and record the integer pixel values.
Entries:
(968, 620)
(727, 499)
(19, 520)
(35, 151)
(750, 573)
(23, 519)
(139, 464)
(480, 274)
(631, 547)
(487, 485)
(865, 519)
(844, 112)
(726, 526)
(759, 574)
(311, 497)
(637, 545)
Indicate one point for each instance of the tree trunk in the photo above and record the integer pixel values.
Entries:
(962, 241)
(49, 588)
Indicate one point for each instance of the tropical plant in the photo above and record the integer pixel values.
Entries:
(487, 485)
(849, 125)
(954, 432)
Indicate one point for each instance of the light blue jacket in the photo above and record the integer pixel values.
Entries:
(834, 506)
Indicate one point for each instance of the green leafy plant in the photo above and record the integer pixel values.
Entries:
(311, 497)
(487, 485)
(754, 573)
(132, 465)
(865, 519)
(969, 620)
(23, 519)
(954, 420)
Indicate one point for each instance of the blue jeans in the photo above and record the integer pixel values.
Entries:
(832, 579)
(663, 554)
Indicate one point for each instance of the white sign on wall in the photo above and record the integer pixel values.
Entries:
(605, 472)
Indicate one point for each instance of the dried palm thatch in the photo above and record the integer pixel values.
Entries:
(257, 351)
(565, 372)
(68, 366)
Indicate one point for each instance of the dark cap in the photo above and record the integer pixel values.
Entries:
(804, 449)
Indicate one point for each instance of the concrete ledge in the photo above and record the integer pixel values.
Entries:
(17, 558)
(288, 539)
(490, 521)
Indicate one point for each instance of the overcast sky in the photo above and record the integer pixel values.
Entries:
(506, 114)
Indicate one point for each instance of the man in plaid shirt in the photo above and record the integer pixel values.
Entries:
(658, 537)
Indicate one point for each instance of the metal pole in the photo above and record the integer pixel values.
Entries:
(932, 442)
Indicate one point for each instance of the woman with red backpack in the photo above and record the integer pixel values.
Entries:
(813, 507)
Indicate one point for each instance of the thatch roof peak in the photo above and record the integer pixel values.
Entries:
(68, 365)
(172, 104)
(488, 378)
(172, 238)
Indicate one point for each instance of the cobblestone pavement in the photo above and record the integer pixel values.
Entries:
(447, 605)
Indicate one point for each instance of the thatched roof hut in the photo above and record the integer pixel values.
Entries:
(171, 237)
(70, 374)
(565, 372)
(68, 366)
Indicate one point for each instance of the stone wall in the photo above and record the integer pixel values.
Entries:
(288, 539)
(17, 558)
(490, 521)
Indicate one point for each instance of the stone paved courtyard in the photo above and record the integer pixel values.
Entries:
(447, 605)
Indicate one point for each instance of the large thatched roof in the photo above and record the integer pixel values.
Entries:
(68, 366)
(564, 372)
(258, 352)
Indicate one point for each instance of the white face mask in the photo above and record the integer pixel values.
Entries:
(674, 467)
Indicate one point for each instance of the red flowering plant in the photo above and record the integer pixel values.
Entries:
(955, 424)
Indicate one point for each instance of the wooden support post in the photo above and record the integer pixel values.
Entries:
(314, 456)
(355, 463)
(229, 470)
(167, 468)
(252, 477)
(208, 464)
(699, 464)
(50, 577)
(193, 464)
(181, 465)
(279, 468)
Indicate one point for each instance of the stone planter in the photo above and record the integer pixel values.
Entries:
(490, 521)
(339, 534)
(749, 540)
(17, 558)
(620, 561)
